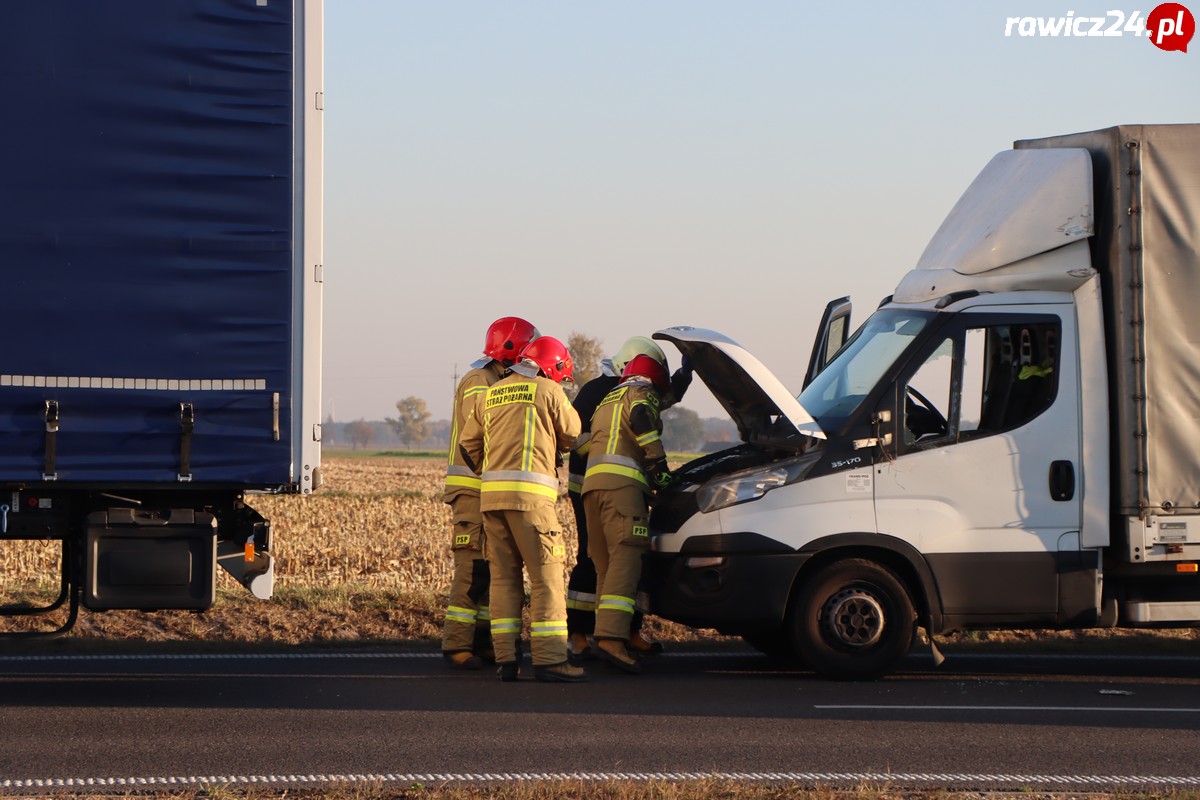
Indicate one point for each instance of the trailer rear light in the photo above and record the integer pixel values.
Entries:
(1187, 567)
(708, 561)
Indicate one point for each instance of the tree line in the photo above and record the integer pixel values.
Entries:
(413, 426)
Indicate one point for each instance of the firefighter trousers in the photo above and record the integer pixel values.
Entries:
(617, 537)
(532, 540)
(467, 618)
(581, 586)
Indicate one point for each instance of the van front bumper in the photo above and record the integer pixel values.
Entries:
(732, 592)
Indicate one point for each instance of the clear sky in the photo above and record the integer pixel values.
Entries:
(622, 166)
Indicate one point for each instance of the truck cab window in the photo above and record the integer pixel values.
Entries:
(1001, 378)
(1017, 375)
(838, 390)
(927, 396)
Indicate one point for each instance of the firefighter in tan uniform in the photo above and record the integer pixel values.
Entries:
(466, 638)
(626, 462)
(581, 585)
(516, 433)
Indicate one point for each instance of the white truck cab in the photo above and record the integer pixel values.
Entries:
(949, 465)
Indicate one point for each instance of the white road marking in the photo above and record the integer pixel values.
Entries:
(1141, 709)
(207, 656)
(748, 654)
(282, 656)
(840, 778)
(892, 780)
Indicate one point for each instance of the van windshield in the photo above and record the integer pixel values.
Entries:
(846, 381)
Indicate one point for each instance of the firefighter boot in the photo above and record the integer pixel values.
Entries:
(641, 646)
(614, 652)
(560, 673)
(483, 645)
(578, 647)
(510, 671)
(463, 659)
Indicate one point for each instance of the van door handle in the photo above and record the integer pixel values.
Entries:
(1062, 480)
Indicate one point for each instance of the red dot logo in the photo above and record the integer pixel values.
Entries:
(1171, 26)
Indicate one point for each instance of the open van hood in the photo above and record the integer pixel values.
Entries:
(763, 409)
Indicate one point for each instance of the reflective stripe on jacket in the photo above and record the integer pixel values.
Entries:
(624, 444)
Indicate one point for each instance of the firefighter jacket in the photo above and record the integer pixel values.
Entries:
(460, 478)
(590, 396)
(625, 448)
(585, 403)
(515, 433)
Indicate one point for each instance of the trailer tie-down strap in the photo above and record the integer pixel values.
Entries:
(187, 423)
(50, 471)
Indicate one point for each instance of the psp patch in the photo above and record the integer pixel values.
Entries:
(641, 530)
(462, 538)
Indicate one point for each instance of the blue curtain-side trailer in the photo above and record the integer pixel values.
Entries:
(160, 335)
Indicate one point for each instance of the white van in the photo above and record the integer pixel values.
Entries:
(1003, 443)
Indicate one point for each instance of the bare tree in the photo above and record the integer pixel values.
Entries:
(412, 424)
(360, 433)
(586, 353)
(683, 430)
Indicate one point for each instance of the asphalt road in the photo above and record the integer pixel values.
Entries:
(1081, 722)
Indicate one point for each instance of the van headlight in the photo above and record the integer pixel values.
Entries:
(751, 484)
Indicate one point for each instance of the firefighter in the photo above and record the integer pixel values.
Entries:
(515, 435)
(626, 462)
(466, 638)
(581, 588)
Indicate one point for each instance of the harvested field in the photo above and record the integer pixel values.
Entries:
(376, 523)
(365, 560)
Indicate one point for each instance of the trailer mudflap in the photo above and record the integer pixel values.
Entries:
(146, 559)
(251, 567)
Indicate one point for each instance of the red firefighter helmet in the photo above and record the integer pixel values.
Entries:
(648, 367)
(552, 358)
(506, 338)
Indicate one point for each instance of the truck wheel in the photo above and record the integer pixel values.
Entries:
(853, 620)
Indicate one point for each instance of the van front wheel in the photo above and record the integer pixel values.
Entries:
(853, 620)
